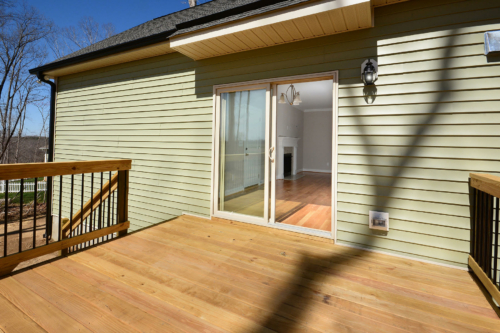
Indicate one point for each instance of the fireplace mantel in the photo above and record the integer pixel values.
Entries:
(285, 141)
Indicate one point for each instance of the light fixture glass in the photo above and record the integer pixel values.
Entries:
(369, 75)
(282, 99)
(297, 99)
(294, 96)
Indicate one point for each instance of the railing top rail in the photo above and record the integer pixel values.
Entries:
(487, 183)
(33, 170)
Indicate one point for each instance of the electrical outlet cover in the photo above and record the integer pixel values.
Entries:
(379, 220)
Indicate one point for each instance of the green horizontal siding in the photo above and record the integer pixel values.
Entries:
(435, 119)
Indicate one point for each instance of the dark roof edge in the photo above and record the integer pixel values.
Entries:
(105, 52)
(226, 13)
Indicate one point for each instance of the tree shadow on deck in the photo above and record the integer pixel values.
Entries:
(312, 269)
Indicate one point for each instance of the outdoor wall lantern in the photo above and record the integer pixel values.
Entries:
(369, 72)
(294, 96)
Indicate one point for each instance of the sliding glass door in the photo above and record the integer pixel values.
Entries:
(242, 144)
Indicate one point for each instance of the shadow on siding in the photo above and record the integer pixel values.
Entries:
(312, 269)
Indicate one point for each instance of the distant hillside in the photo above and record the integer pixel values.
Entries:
(27, 149)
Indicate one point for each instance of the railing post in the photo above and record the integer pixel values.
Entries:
(122, 199)
(472, 210)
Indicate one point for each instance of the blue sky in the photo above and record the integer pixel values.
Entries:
(124, 14)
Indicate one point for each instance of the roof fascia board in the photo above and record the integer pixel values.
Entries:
(105, 52)
(263, 20)
(144, 52)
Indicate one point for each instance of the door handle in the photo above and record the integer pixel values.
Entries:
(271, 150)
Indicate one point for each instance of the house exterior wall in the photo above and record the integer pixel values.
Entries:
(434, 119)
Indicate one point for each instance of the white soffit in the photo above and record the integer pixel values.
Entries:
(315, 19)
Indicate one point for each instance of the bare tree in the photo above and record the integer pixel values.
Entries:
(20, 50)
(42, 136)
(88, 31)
(5, 5)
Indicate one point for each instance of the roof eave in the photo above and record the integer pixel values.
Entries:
(151, 39)
(105, 52)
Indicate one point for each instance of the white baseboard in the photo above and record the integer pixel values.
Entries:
(233, 191)
(317, 170)
(403, 256)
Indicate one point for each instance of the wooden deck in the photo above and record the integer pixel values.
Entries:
(194, 275)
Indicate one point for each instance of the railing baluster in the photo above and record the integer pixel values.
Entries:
(92, 202)
(113, 215)
(71, 206)
(472, 210)
(485, 233)
(6, 218)
(35, 204)
(81, 209)
(480, 228)
(100, 203)
(48, 211)
(495, 257)
(109, 202)
(101, 210)
(21, 206)
(489, 234)
(478, 225)
(70, 234)
(484, 223)
(60, 207)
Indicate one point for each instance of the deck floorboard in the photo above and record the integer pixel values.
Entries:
(196, 275)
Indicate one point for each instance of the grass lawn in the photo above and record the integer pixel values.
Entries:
(27, 197)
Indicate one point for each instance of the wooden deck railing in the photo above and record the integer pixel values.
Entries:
(89, 221)
(484, 194)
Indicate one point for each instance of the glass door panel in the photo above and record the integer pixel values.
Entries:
(242, 152)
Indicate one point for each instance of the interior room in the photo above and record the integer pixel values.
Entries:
(304, 154)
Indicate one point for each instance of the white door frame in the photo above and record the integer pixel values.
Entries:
(274, 82)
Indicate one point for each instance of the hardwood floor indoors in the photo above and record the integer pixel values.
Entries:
(305, 202)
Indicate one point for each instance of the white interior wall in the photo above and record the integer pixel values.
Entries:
(317, 141)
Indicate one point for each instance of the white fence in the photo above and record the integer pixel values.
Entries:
(15, 186)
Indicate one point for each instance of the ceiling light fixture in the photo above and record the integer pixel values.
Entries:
(294, 96)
